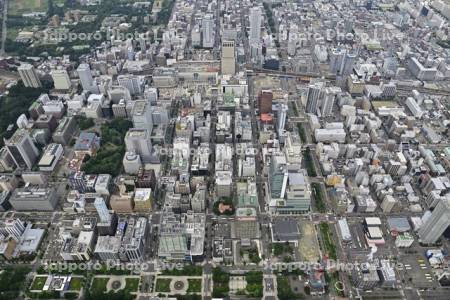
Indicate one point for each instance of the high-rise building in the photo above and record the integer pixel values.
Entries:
(278, 176)
(265, 99)
(61, 80)
(29, 76)
(22, 149)
(132, 83)
(32, 198)
(224, 183)
(348, 63)
(198, 201)
(342, 61)
(107, 247)
(117, 93)
(151, 95)
(138, 141)
(131, 163)
(298, 195)
(13, 227)
(102, 210)
(255, 25)
(143, 200)
(329, 99)
(208, 31)
(65, 130)
(6, 160)
(228, 58)
(133, 241)
(436, 224)
(142, 115)
(336, 58)
(281, 118)
(314, 97)
(85, 74)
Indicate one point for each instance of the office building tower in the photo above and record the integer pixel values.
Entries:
(22, 149)
(420, 71)
(13, 227)
(278, 176)
(32, 198)
(329, 99)
(342, 61)
(29, 76)
(117, 93)
(224, 183)
(348, 64)
(143, 200)
(61, 80)
(132, 83)
(265, 99)
(228, 58)
(198, 201)
(255, 25)
(298, 195)
(389, 89)
(142, 115)
(314, 97)
(102, 210)
(208, 31)
(78, 249)
(133, 248)
(437, 223)
(160, 115)
(138, 141)
(85, 74)
(6, 160)
(336, 59)
(65, 130)
(107, 247)
(281, 118)
(151, 95)
(131, 163)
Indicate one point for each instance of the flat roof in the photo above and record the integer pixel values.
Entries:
(284, 230)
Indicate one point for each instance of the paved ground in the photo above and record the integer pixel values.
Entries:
(237, 283)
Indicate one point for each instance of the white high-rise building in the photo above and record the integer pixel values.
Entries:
(342, 61)
(132, 83)
(102, 210)
(131, 163)
(61, 80)
(22, 149)
(138, 141)
(281, 118)
(85, 74)
(208, 31)
(328, 102)
(255, 25)
(29, 76)
(436, 224)
(278, 175)
(142, 115)
(151, 95)
(13, 227)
